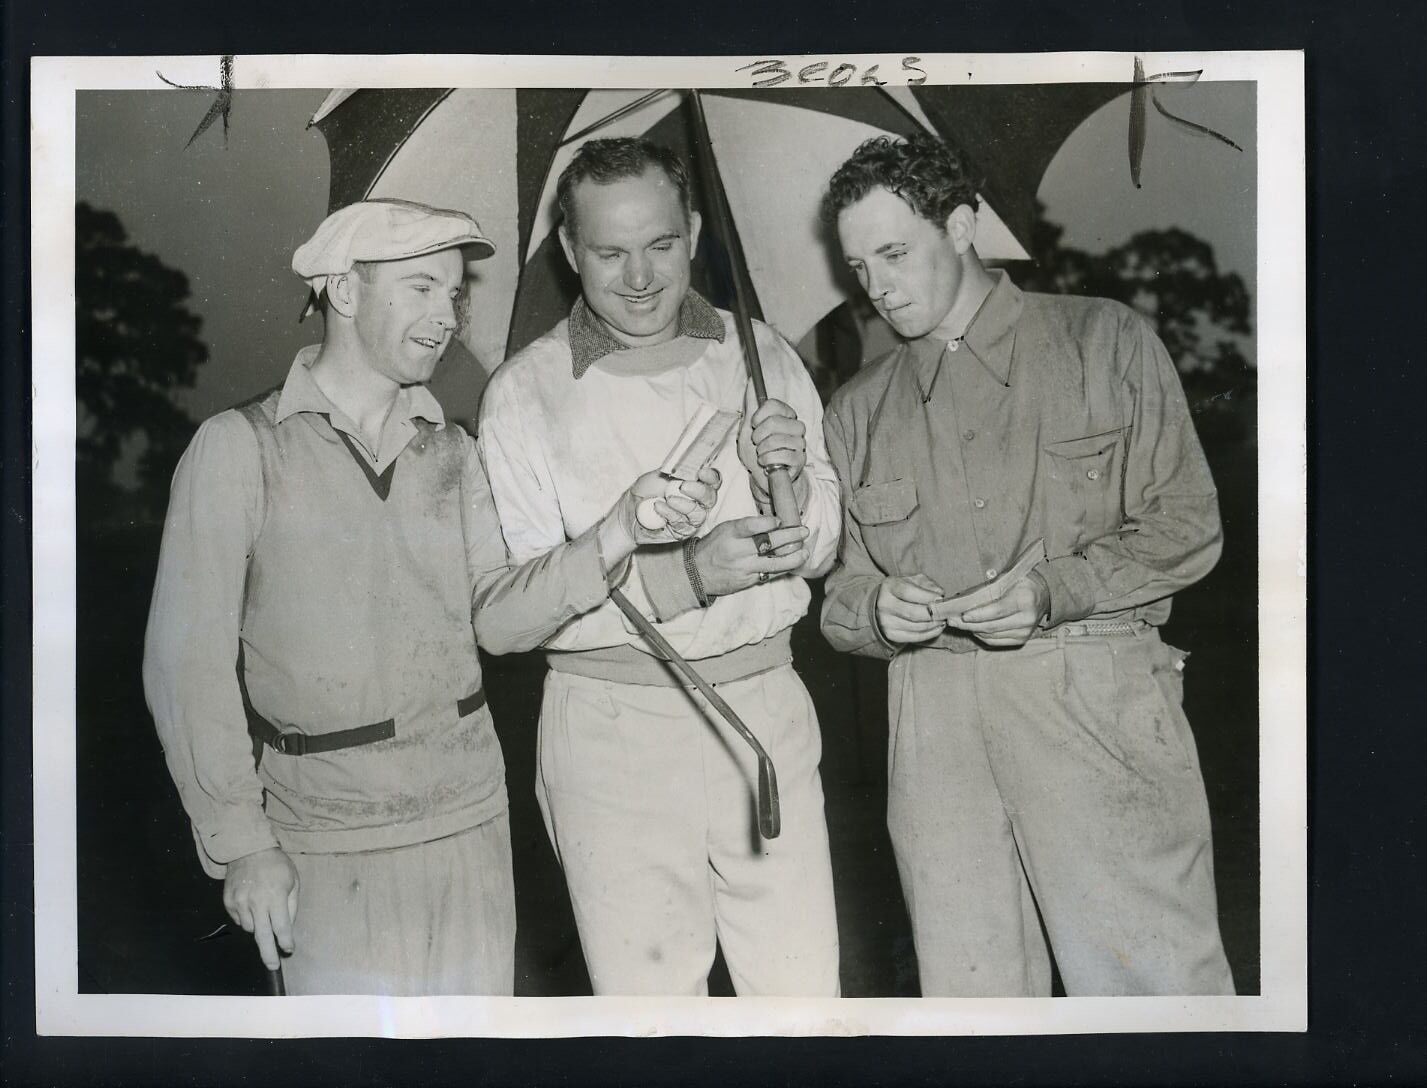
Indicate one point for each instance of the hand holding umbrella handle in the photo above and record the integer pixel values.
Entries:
(785, 503)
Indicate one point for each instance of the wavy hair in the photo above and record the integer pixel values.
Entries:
(931, 176)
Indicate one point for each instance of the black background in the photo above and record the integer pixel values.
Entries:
(1368, 1016)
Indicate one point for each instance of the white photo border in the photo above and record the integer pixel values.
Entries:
(1282, 444)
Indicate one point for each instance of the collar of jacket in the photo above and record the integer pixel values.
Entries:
(590, 341)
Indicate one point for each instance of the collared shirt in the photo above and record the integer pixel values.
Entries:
(590, 341)
(300, 393)
(346, 575)
(1057, 418)
(562, 450)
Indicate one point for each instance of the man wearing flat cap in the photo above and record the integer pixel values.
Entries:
(313, 607)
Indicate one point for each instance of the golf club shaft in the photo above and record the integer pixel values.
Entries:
(769, 816)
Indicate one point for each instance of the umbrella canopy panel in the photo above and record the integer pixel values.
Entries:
(463, 156)
(450, 149)
(1012, 132)
(498, 153)
(364, 130)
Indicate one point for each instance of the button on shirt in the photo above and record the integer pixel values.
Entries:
(1058, 418)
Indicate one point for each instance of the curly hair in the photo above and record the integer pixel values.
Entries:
(611, 159)
(932, 177)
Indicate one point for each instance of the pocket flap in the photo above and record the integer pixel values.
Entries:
(878, 504)
(1092, 445)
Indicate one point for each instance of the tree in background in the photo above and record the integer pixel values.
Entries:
(1172, 278)
(136, 342)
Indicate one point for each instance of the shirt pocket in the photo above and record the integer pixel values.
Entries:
(884, 511)
(1083, 490)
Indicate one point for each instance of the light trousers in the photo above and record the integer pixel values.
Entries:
(1061, 776)
(433, 918)
(649, 799)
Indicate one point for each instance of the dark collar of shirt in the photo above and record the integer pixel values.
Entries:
(590, 341)
(990, 337)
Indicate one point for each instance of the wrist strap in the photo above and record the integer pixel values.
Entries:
(692, 570)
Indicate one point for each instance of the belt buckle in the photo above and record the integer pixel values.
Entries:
(290, 744)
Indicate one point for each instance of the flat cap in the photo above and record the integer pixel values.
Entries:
(384, 229)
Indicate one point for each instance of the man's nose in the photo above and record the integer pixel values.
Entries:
(446, 313)
(637, 272)
(877, 285)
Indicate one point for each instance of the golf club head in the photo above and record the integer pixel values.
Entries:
(770, 820)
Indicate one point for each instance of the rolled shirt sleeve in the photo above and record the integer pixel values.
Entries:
(1171, 534)
(192, 640)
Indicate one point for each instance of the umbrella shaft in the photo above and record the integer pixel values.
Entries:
(738, 263)
(780, 484)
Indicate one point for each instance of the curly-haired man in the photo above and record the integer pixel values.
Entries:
(1043, 780)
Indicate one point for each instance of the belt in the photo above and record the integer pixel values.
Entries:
(291, 743)
(1095, 629)
(628, 665)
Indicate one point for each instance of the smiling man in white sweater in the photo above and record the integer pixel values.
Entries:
(647, 794)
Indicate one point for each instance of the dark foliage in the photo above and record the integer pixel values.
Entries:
(1202, 315)
(135, 343)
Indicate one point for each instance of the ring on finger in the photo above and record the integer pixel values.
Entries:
(762, 577)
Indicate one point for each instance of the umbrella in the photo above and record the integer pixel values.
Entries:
(498, 153)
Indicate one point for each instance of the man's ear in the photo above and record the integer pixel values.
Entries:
(568, 245)
(961, 227)
(342, 293)
(696, 222)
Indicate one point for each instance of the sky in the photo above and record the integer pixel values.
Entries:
(230, 216)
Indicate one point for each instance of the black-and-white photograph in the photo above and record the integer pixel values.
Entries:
(807, 536)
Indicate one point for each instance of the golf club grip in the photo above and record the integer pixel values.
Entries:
(769, 818)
